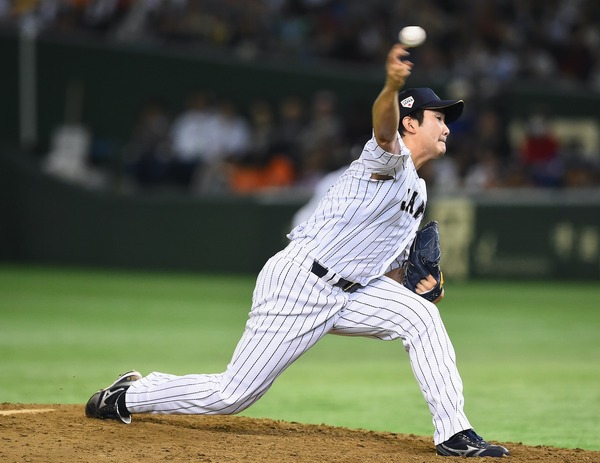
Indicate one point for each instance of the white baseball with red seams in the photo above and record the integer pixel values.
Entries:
(412, 36)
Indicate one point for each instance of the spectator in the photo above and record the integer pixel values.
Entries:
(231, 138)
(581, 170)
(539, 152)
(194, 144)
(484, 173)
(263, 167)
(147, 153)
(290, 127)
(322, 147)
(264, 132)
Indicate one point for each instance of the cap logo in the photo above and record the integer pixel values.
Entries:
(407, 102)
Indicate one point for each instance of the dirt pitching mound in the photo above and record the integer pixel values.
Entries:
(62, 433)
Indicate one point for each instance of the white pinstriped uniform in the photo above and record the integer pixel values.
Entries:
(361, 229)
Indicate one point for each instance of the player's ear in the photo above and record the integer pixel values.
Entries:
(409, 124)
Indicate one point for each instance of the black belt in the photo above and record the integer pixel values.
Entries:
(346, 285)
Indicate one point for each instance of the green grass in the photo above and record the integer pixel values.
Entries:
(529, 353)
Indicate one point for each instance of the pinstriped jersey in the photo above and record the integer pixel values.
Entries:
(363, 225)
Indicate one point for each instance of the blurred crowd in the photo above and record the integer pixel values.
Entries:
(497, 39)
(211, 146)
(478, 47)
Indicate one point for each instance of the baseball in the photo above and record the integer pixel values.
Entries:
(412, 36)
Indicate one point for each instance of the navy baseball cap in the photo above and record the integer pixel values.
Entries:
(412, 99)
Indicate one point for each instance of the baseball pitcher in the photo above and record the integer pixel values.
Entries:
(360, 265)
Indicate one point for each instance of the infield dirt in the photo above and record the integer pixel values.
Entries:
(62, 433)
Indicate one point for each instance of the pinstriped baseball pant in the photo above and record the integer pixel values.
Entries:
(292, 309)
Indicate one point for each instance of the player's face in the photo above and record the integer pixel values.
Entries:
(434, 132)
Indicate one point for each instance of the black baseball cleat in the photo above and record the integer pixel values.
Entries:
(104, 404)
(468, 444)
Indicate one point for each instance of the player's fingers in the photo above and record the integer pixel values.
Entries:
(398, 73)
(421, 288)
(399, 52)
(431, 280)
(397, 59)
(426, 284)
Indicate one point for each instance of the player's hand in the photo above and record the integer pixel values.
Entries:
(427, 284)
(397, 67)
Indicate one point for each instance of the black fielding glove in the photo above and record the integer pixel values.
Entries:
(424, 260)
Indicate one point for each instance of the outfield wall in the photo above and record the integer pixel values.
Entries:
(530, 235)
(48, 221)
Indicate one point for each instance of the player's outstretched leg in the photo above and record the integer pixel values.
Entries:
(468, 444)
(105, 403)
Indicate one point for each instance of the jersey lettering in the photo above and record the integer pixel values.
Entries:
(410, 205)
(419, 210)
(403, 205)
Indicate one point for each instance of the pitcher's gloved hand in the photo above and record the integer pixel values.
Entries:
(424, 264)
